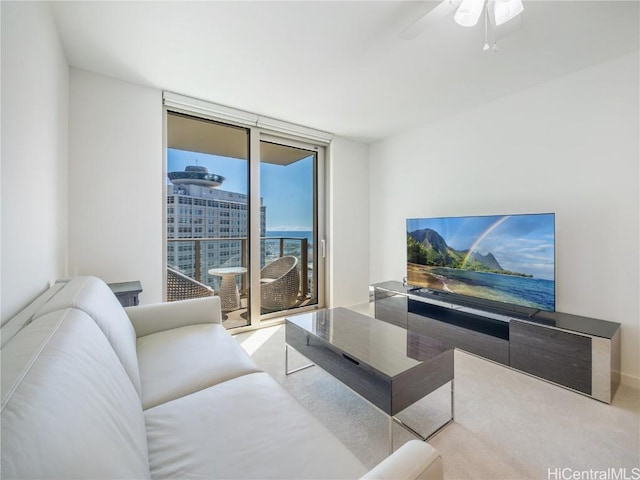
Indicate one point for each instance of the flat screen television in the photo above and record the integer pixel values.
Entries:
(503, 258)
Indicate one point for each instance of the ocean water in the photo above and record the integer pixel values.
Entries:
(530, 292)
(308, 234)
(291, 247)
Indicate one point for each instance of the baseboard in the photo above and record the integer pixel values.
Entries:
(630, 381)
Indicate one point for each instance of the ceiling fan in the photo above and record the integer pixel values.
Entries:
(469, 11)
(467, 14)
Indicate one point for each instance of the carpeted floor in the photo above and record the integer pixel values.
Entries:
(508, 425)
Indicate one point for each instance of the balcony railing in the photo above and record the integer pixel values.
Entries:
(271, 248)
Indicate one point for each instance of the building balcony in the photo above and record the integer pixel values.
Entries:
(207, 261)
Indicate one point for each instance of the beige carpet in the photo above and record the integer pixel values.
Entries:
(508, 425)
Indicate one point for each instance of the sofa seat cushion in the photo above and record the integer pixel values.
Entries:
(180, 361)
(95, 298)
(247, 427)
(69, 409)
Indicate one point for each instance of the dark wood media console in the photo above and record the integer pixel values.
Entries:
(576, 352)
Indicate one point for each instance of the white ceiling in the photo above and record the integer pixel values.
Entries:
(338, 66)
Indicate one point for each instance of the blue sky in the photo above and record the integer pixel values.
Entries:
(287, 191)
(521, 243)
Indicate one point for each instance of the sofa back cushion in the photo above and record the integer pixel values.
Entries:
(95, 298)
(68, 408)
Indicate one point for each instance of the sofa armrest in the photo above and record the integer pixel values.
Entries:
(413, 460)
(147, 319)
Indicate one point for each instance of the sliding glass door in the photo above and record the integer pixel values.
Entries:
(289, 190)
(207, 214)
(243, 219)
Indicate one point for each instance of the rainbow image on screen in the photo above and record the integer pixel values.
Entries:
(505, 258)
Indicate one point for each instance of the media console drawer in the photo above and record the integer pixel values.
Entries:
(557, 356)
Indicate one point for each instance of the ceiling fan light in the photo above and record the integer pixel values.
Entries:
(469, 12)
(505, 10)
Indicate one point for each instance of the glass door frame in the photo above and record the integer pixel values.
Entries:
(258, 135)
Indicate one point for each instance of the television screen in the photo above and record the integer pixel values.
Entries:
(509, 259)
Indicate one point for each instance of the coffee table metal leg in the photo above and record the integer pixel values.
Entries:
(286, 363)
(437, 430)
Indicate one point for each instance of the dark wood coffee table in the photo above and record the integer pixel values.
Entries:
(389, 366)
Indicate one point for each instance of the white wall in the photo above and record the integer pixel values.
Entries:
(35, 96)
(115, 182)
(348, 223)
(116, 200)
(570, 146)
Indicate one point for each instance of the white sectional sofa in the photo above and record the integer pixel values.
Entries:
(92, 390)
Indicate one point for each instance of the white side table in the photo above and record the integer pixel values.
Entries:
(228, 293)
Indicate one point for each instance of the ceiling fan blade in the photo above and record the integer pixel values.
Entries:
(469, 13)
(422, 24)
(505, 10)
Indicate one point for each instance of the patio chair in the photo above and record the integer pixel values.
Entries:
(182, 287)
(279, 284)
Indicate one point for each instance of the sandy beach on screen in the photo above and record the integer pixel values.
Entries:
(420, 276)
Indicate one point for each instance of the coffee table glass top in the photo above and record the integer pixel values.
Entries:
(378, 344)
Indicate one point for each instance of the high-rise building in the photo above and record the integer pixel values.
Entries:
(218, 220)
